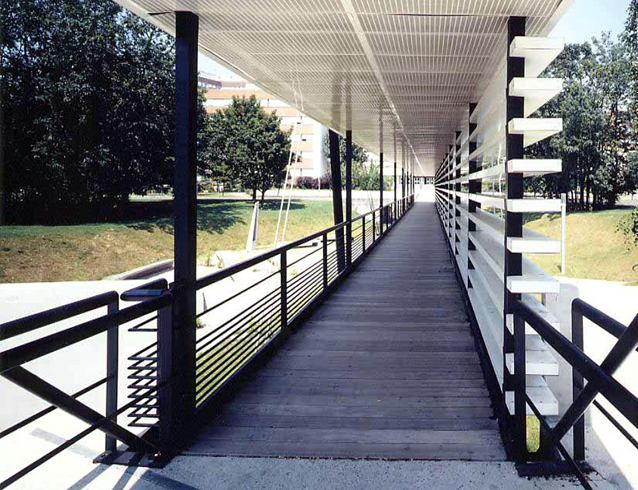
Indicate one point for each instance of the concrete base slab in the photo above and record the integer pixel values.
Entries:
(195, 472)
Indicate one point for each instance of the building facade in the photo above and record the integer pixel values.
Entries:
(307, 135)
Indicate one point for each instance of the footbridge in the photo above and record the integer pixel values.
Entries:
(417, 330)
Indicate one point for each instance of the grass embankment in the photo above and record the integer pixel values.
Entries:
(595, 250)
(93, 251)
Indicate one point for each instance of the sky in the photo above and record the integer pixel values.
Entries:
(583, 20)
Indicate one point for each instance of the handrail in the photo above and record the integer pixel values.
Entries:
(625, 401)
(42, 319)
(240, 266)
(600, 377)
(21, 354)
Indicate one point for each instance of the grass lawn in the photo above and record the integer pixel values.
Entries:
(594, 249)
(93, 251)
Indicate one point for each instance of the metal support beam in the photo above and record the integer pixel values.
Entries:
(337, 201)
(395, 174)
(349, 196)
(514, 261)
(383, 214)
(185, 209)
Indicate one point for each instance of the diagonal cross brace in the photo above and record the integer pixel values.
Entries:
(48, 392)
(618, 354)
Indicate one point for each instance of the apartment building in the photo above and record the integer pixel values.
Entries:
(307, 135)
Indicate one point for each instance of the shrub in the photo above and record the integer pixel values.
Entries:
(628, 226)
(306, 183)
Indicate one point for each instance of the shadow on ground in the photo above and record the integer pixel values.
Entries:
(212, 217)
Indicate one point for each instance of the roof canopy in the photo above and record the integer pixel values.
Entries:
(366, 65)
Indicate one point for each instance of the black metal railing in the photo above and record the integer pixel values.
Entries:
(599, 381)
(12, 368)
(247, 317)
(297, 276)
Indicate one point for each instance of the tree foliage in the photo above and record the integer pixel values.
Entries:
(248, 146)
(365, 175)
(88, 108)
(598, 104)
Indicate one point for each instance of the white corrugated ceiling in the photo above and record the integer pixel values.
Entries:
(365, 65)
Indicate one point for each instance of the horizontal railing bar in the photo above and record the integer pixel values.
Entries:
(238, 318)
(205, 389)
(51, 343)
(150, 346)
(234, 323)
(234, 345)
(255, 284)
(245, 336)
(229, 271)
(317, 249)
(136, 328)
(54, 315)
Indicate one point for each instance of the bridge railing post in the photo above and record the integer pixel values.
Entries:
(166, 394)
(577, 385)
(363, 232)
(374, 227)
(284, 290)
(112, 336)
(325, 261)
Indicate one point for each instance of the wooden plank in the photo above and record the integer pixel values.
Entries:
(362, 436)
(301, 449)
(405, 411)
(386, 368)
(461, 344)
(363, 401)
(329, 422)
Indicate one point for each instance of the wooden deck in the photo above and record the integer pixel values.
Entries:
(386, 368)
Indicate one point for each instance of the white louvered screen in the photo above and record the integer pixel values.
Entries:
(477, 236)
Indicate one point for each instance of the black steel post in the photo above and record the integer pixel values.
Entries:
(112, 349)
(337, 202)
(514, 261)
(457, 188)
(363, 235)
(374, 230)
(395, 177)
(349, 196)
(165, 373)
(283, 269)
(185, 212)
(325, 261)
(577, 385)
(383, 214)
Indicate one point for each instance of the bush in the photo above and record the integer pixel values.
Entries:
(306, 183)
(628, 226)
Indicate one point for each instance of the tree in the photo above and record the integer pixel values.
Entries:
(365, 175)
(88, 108)
(595, 144)
(248, 145)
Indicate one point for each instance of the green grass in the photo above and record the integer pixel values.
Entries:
(93, 251)
(595, 250)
